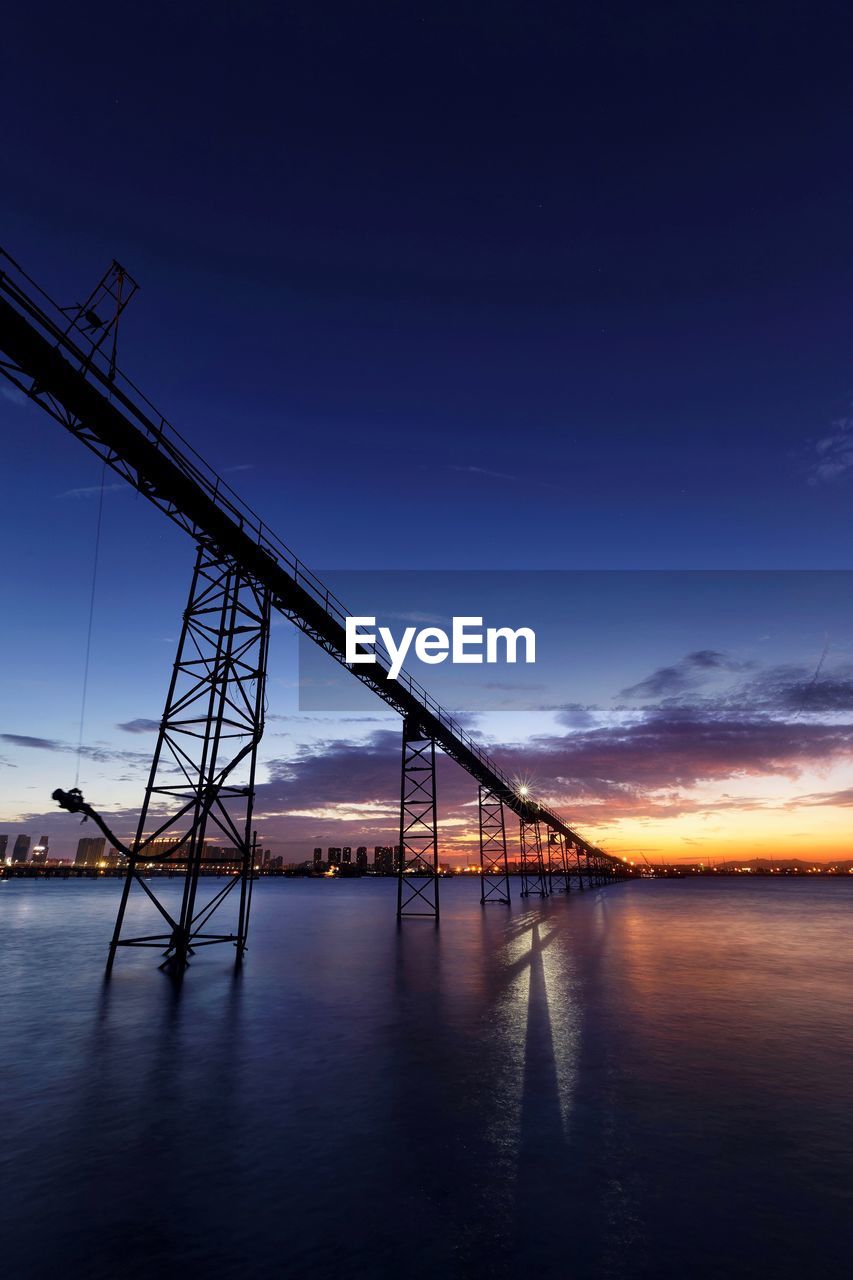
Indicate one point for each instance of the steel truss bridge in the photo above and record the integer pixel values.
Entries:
(202, 776)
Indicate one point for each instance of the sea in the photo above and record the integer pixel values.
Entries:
(650, 1079)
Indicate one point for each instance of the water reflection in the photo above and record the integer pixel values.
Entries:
(582, 1086)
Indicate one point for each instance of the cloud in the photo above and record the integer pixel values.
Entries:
(659, 766)
(680, 749)
(791, 689)
(649, 764)
(98, 754)
(340, 775)
(511, 686)
(139, 726)
(682, 676)
(482, 471)
(591, 773)
(843, 799)
(419, 619)
(13, 395)
(574, 715)
(489, 474)
(834, 453)
(92, 491)
(24, 740)
(654, 761)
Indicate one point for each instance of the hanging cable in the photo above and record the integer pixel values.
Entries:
(91, 618)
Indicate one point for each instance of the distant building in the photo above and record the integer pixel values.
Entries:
(318, 857)
(40, 851)
(163, 845)
(276, 864)
(347, 854)
(90, 851)
(383, 860)
(361, 857)
(334, 857)
(4, 840)
(21, 851)
(220, 855)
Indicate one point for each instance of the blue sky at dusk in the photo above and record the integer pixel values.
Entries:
(458, 288)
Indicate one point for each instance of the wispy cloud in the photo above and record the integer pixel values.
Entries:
(13, 395)
(139, 726)
(100, 755)
(419, 619)
(574, 715)
(843, 799)
(482, 471)
(24, 740)
(681, 676)
(648, 765)
(834, 453)
(488, 473)
(92, 490)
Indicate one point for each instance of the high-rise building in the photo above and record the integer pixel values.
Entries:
(90, 851)
(4, 840)
(20, 853)
(347, 853)
(361, 857)
(40, 851)
(318, 857)
(383, 860)
(334, 857)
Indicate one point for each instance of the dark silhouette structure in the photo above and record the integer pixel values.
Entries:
(64, 360)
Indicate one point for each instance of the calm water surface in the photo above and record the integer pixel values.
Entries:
(649, 1080)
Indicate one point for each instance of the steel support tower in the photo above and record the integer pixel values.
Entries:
(64, 360)
(577, 849)
(533, 876)
(559, 876)
(202, 780)
(417, 867)
(494, 869)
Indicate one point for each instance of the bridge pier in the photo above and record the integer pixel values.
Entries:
(214, 713)
(559, 880)
(579, 867)
(494, 869)
(417, 870)
(212, 722)
(533, 879)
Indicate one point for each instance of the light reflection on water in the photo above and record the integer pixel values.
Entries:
(647, 1080)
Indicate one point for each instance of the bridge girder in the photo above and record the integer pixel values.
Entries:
(84, 392)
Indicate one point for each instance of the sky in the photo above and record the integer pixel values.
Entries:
(499, 289)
